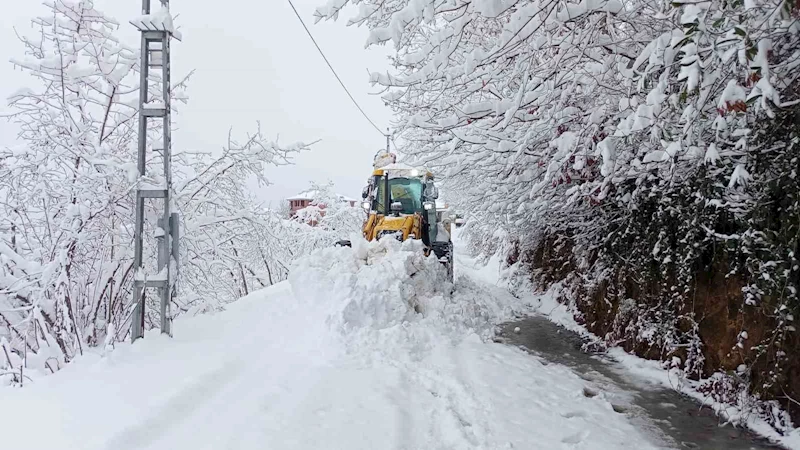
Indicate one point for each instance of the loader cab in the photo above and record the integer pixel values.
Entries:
(405, 191)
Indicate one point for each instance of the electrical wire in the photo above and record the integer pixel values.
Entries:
(394, 144)
(334, 71)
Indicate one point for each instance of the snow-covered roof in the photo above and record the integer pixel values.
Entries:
(404, 170)
(312, 194)
(402, 166)
(305, 195)
(397, 166)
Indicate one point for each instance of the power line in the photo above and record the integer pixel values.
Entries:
(332, 69)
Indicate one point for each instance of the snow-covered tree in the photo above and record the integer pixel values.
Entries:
(328, 219)
(329, 210)
(65, 193)
(66, 199)
(227, 235)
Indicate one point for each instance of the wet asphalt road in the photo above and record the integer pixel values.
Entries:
(673, 420)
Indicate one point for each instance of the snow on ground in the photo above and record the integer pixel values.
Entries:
(363, 348)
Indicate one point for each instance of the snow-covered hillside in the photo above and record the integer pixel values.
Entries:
(362, 348)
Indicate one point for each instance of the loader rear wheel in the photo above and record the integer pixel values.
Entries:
(444, 252)
(450, 272)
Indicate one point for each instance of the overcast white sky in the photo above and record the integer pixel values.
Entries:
(254, 62)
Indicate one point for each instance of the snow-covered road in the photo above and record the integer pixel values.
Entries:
(336, 358)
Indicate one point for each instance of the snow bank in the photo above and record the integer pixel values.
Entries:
(373, 285)
(384, 287)
(383, 299)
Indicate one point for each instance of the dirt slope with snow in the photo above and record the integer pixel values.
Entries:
(363, 348)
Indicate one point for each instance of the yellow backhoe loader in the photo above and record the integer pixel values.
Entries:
(401, 201)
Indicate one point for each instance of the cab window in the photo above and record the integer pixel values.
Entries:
(407, 191)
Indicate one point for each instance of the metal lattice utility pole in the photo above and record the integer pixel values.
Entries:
(157, 31)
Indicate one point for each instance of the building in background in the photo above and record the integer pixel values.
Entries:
(304, 199)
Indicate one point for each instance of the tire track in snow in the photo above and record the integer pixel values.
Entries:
(464, 372)
(176, 410)
(282, 368)
(405, 423)
(230, 384)
(448, 402)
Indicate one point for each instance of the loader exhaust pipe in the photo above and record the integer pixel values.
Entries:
(386, 195)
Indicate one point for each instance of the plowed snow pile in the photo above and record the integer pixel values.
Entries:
(371, 286)
(364, 348)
